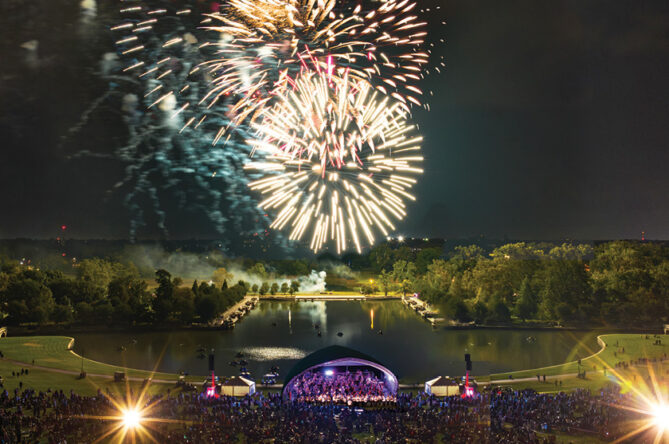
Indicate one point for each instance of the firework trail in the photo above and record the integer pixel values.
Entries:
(319, 92)
(167, 163)
(253, 47)
(263, 43)
(339, 159)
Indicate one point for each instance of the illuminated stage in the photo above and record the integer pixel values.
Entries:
(336, 359)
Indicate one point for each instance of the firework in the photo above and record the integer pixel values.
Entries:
(169, 160)
(324, 86)
(250, 48)
(263, 43)
(340, 159)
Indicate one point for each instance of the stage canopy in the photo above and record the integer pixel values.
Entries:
(442, 386)
(238, 386)
(338, 356)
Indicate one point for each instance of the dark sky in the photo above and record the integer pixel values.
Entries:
(549, 121)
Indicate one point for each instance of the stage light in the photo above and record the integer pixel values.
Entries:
(660, 414)
(131, 418)
(329, 372)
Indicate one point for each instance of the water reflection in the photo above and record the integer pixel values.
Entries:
(280, 333)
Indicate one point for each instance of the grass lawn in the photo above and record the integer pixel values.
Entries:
(41, 380)
(53, 352)
(635, 346)
(593, 382)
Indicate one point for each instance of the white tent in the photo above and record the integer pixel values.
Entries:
(238, 386)
(442, 386)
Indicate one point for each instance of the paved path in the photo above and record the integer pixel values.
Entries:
(230, 311)
(328, 297)
(532, 379)
(76, 373)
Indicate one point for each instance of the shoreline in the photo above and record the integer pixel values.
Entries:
(565, 370)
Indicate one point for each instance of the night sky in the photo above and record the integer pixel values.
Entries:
(549, 121)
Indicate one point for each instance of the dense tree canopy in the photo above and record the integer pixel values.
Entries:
(614, 283)
(104, 292)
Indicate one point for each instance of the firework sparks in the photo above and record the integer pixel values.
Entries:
(263, 43)
(325, 85)
(339, 160)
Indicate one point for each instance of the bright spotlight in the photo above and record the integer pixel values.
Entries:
(329, 372)
(661, 416)
(131, 418)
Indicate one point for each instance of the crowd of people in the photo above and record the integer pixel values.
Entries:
(517, 416)
(330, 386)
(496, 416)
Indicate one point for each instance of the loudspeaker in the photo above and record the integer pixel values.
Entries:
(211, 362)
(467, 357)
(469, 366)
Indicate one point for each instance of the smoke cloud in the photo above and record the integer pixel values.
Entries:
(190, 266)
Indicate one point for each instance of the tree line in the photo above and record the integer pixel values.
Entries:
(613, 283)
(104, 292)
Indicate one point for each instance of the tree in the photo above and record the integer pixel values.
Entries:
(465, 258)
(264, 288)
(403, 270)
(63, 313)
(284, 288)
(98, 272)
(220, 276)
(571, 252)
(84, 312)
(274, 289)
(367, 289)
(206, 308)
(103, 312)
(259, 270)
(162, 304)
(244, 285)
(406, 286)
(526, 304)
(425, 257)
(386, 280)
(499, 311)
(566, 283)
(294, 287)
(254, 288)
(184, 305)
(381, 257)
(458, 310)
(29, 301)
(63, 290)
(404, 273)
(480, 312)
(403, 253)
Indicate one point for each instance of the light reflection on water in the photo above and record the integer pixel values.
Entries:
(273, 353)
(281, 333)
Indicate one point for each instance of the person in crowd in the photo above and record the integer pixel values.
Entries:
(499, 416)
